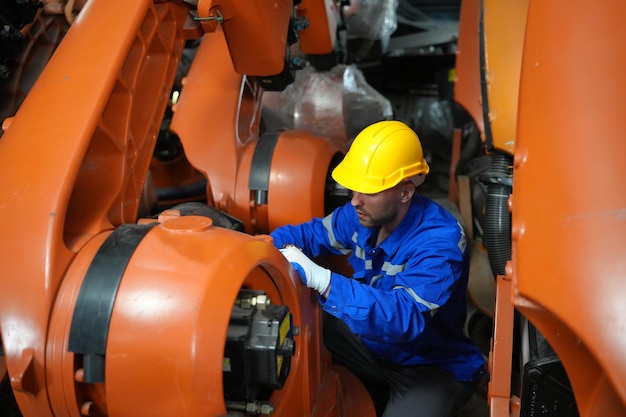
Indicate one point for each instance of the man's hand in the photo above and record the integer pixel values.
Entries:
(311, 274)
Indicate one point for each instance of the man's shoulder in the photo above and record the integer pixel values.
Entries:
(440, 222)
(440, 209)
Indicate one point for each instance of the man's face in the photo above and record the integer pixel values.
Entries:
(378, 209)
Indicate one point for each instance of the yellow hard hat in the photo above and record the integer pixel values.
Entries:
(381, 156)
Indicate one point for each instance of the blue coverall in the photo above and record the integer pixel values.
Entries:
(406, 299)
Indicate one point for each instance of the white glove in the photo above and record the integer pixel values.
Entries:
(311, 274)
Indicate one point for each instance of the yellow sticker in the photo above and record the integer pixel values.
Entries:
(284, 329)
(451, 75)
(279, 364)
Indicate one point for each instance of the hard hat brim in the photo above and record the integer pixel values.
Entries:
(344, 176)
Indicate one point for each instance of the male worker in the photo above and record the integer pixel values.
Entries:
(399, 319)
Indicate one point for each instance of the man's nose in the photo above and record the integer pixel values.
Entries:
(356, 199)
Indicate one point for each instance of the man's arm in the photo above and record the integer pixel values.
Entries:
(401, 313)
(319, 236)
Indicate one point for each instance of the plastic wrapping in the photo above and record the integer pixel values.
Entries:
(433, 121)
(336, 104)
(373, 20)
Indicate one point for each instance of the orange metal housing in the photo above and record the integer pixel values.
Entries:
(256, 32)
(168, 328)
(319, 37)
(467, 68)
(569, 232)
(501, 26)
(555, 89)
(77, 168)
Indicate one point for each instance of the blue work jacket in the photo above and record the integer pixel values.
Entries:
(407, 297)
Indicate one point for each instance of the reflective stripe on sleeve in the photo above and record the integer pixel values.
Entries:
(431, 306)
(327, 222)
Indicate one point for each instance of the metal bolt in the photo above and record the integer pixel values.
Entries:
(262, 301)
(266, 409)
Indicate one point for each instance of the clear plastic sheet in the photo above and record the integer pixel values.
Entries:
(336, 104)
(372, 20)
(433, 121)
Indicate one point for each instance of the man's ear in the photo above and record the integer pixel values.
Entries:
(408, 190)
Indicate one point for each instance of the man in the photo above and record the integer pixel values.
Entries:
(398, 321)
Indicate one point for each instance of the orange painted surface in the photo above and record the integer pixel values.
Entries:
(256, 32)
(91, 156)
(555, 100)
(168, 328)
(467, 66)
(75, 156)
(500, 354)
(320, 35)
(216, 112)
(568, 230)
(503, 36)
(222, 112)
(74, 160)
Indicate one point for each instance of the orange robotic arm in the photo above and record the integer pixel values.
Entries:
(251, 174)
(102, 315)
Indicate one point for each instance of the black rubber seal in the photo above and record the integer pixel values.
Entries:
(94, 305)
(259, 179)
